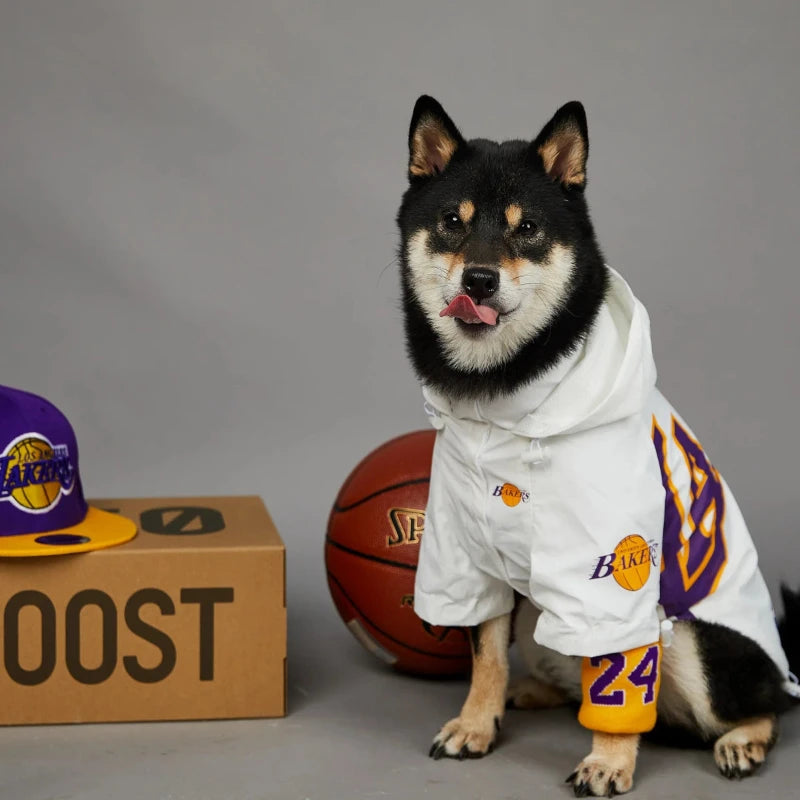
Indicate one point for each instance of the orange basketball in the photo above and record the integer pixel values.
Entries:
(632, 563)
(371, 553)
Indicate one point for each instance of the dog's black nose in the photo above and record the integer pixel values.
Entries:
(479, 282)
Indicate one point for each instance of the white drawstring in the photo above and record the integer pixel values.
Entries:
(667, 628)
(536, 454)
(435, 417)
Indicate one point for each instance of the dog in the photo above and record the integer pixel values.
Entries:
(566, 492)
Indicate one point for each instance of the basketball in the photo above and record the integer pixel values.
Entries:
(371, 553)
(632, 563)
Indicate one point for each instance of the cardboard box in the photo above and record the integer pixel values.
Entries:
(186, 621)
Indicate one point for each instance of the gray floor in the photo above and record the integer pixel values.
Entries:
(355, 731)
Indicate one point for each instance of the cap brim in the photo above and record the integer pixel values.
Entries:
(98, 530)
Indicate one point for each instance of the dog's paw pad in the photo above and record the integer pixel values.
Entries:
(596, 779)
(461, 738)
(738, 760)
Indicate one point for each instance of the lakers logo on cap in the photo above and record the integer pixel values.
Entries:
(629, 564)
(34, 473)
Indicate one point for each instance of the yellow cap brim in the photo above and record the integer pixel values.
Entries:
(98, 530)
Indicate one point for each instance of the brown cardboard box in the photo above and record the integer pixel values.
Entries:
(186, 621)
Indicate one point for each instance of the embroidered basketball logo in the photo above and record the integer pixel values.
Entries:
(510, 495)
(633, 563)
(629, 564)
(34, 473)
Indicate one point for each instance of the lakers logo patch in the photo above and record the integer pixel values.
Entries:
(34, 473)
(629, 564)
(511, 495)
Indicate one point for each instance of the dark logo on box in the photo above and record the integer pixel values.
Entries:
(182, 520)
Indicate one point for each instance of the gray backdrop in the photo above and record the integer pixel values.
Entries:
(197, 237)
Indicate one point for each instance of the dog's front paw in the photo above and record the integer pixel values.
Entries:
(601, 777)
(465, 738)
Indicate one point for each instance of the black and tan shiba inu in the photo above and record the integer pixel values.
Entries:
(563, 477)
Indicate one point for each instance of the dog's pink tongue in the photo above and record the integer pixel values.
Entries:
(464, 308)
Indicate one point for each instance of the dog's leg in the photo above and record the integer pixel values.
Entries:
(554, 679)
(531, 693)
(722, 688)
(472, 733)
(608, 769)
(741, 751)
(616, 716)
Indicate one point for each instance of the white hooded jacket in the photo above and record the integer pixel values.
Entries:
(570, 491)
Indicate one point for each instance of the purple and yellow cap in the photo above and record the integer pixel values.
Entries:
(42, 508)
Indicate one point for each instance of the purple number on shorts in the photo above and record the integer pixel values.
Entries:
(605, 679)
(639, 677)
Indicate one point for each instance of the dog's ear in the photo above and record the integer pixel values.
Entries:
(563, 146)
(432, 139)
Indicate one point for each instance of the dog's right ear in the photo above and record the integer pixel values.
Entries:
(432, 139)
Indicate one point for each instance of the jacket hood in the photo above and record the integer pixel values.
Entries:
(608, 378)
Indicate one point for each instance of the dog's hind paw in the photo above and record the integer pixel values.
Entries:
(740, 752)
(599, 779)
(465, 738)
(739, 760)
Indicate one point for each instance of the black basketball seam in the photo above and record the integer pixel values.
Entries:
(383, 632)
(368, 556)
(380, 448)
(412, 482)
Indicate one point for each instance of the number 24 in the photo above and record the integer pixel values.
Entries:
(644, 675)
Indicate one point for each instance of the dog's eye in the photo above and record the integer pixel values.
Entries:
(452, 222)
(528, 227)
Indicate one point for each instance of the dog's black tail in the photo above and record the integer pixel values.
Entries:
(789, 627)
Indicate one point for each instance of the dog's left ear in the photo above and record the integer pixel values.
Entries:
(563, 146)
(433, 139)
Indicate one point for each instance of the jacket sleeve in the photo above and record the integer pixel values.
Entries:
(595, 568)
(620, 690)
(450, 587)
